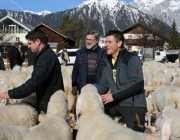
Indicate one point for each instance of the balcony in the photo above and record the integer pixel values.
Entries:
(13, 31)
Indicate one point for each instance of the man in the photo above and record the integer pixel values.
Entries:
(122, 85)
(46, 76)
(14, 56)
(64, 57)
(89, 63)
(2, 67)
(31, 56)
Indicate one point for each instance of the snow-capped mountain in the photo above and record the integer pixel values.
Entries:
(43, 13)
(107, 14)
(166, 10)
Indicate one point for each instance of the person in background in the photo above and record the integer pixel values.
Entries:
(89, 63)
(46, 76)
(14, 56)
(21, 52)
(64, 57)
(2, 67)
(122, 85)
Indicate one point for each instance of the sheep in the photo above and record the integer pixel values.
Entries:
(166, 95)
(20, 113)
(16, 68)
(93, 124)
(17, 76)
(71, 99)
(168, 123)
(4, 76)
(66, 70)
(10, 132)
(54, 126)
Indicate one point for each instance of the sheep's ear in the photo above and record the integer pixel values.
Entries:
(78, 108)
(166, 130)
(3, 102)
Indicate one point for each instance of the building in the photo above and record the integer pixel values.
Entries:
(55, 37)
(140, 36)
(12, 30)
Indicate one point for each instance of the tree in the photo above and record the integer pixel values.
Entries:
(72, 29)
(174, 41)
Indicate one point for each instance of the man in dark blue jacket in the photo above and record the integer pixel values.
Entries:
(46, 77)
(89, 63)
(122, 84)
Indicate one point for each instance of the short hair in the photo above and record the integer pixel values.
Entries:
(95, 33)
(16, 44)
(118, 35)
(37, 34)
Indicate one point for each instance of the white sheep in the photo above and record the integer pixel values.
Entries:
(93, 124)
(54, 126)
(17, 76)
(10, 132)
(166, 95)
(20, 113)
(168, 122)
(66, 70)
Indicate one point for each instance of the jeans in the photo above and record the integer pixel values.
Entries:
(130, 119)
(64, 63)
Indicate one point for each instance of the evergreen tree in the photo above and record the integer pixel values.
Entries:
(174, 41)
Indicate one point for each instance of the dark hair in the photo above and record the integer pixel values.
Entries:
(95, 33)
(37, 34)
(16, 44)
(118, 35)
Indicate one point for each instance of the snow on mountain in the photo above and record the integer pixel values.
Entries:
(167, 10)
(43, 13)
(105, 14)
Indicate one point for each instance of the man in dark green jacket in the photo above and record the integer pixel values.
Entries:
(122, 84)
(46, 77)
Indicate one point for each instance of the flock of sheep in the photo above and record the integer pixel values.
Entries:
(19, 120)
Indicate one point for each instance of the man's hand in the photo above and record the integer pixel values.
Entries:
(107, 98)
(74, 90)
(4, 95)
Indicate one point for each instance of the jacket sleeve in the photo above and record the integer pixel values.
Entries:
(136, 84)
(75, 73)
(39, 75)
(102, 86)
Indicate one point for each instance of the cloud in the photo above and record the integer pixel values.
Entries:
(17, 5)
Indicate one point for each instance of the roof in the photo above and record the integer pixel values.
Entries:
(145, 27)
(24, 25)
(169, 52)
(67, 37)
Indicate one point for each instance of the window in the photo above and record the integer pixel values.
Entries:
(157, 53)
(17, 39)
(129, 36)
(72, 53)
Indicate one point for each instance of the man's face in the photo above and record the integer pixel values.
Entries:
(112, 46)
(90, 41)
(34, 45)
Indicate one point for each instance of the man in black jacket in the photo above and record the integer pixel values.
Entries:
(2, 64)
(46, 77)
(122, 84)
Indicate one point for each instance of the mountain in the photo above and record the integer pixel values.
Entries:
(166, 10)
(43, 13)
(107, 14)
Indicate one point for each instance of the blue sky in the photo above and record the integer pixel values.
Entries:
(41, 5)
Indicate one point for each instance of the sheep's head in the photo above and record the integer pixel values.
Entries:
(58, 104)
(89, 101)
(163, 121)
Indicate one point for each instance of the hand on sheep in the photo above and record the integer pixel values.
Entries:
(107, 98)
(4, 95)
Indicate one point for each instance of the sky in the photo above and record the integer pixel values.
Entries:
(41, 5)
